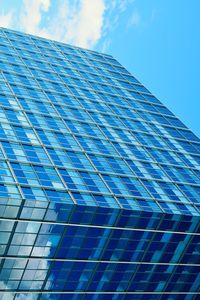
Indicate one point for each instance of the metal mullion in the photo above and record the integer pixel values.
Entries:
(131, 108)
(80, 55)
(107, 240)
(151, 122)
(150, 199)
(117, 176)
(193, 184)
(184, 194)
(28, 161)
(160, 163)
(27, 97)
(135, 176)
(54, 166)
(184, 250)
(100, 175)
(55, 254)
(171, 275)
(105, 226)
(29, 256)
(44, 148)
(74, 135)
(61, 65)
(12, 232)
(61, 44)
(62, 93)
(156, 147)
(40, 113)
(109, 124)
(104, 261)
(16, 183)
(6, 59)
(155, 161)
(132, 131)
(165, 163)
(87, 156)
(18, 56)
(55, 45)
(15, 221)
(118, 105)
(145, 121)
(22, 85)
(110, 140)
(10, 108)
(14, 72)
(85, 293)
(80, 75)
(102, 293)
(146, 250)
(98, 261)
(11, 171)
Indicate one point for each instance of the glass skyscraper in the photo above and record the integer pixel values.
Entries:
(99, 181)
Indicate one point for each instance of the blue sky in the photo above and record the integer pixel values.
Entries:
(158, 41)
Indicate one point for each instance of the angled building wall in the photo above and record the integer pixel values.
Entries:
(99, 181)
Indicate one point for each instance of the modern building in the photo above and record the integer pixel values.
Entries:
(99, 181)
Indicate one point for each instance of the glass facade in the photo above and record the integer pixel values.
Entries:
(99, 181)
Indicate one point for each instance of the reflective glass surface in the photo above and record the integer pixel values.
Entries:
(99, 181)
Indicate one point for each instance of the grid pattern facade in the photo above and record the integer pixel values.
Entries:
(99, 181)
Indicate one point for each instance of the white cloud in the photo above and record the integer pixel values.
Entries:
(105, 45)
(78, 22)
(31, 14)
(114, 10)
(120, 5)
(89, 23)
(123, 4)
(6, 19)
(135, 19)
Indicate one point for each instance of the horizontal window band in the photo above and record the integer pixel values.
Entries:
(99, 261)
(103, 227)
(100, 292)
